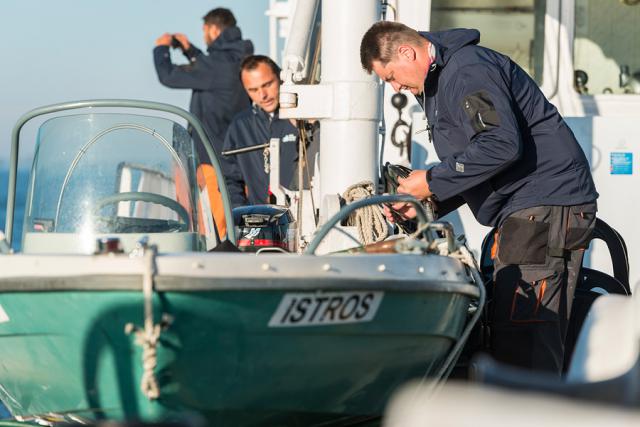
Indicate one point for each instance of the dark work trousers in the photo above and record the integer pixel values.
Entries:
(537, 258)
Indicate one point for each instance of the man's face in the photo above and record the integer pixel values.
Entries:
(211, 33)
(263, 87)
(406, 71)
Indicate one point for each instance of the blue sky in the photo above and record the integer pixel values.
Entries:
(65, 50)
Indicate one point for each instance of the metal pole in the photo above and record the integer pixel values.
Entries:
(244, 149)
(348, 139)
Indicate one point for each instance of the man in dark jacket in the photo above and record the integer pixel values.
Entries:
(507, 153)
(247, 174)
(217, 94)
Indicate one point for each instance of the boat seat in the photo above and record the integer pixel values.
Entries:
(605, 365)
(591, 283)
(609, 343)
(606, 362)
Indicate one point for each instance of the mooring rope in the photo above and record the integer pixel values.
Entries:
(148, 337)
(369, 220)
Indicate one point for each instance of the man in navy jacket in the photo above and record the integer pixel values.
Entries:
(507, 153)
(247, 173)
(217, 94)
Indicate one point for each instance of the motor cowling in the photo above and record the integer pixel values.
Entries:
(264, 226)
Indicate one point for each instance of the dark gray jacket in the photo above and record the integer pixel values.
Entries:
(503, 147)
(218, 94)
(254, 127)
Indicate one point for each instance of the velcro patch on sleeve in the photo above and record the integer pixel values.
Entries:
(481, 112)
(187, 67)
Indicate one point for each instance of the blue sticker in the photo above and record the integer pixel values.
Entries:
(621, 163)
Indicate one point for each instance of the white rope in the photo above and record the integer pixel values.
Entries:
(149, 340)
(148, 337)
(369, 220)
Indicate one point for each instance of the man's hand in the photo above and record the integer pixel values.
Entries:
(164, 40)
(184, 41)
(399, 211)
(416, 185)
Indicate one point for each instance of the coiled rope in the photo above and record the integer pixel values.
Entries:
(369, 220)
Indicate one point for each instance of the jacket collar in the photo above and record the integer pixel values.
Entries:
(448, 42)
(263, 114)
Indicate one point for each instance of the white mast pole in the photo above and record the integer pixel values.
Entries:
(348, 137)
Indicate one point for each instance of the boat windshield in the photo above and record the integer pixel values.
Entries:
(103, 174)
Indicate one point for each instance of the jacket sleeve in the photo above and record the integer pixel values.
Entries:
(232, 173)
(449, 205)
(192, 53)
(480, 103)
(195, 75)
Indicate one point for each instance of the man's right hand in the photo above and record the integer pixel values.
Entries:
(184, 41)
(415, 185)
(164, 40)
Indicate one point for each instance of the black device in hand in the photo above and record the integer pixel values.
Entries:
(391, 174)
(175, 43)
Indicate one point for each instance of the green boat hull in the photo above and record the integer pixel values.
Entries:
(68, 352)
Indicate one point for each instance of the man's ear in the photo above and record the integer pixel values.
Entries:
(214, 31)
(407, 52)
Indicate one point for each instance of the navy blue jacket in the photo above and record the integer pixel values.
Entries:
(503, 147)
(254, 126)
(218, 94)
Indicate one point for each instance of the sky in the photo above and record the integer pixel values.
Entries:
(67, 50)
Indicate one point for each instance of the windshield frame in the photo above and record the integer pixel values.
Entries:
(192, 121)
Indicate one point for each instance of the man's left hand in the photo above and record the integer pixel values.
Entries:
(184, 41)
(401, 211)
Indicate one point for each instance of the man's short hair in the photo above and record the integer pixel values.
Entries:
(251, 63)
(221, 18)
(380, 42)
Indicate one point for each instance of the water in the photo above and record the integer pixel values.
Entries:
(4, 412)
(21, 195)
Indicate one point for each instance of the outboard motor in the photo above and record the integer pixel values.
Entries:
(264, 226)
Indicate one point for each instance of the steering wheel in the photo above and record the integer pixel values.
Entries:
(143, 196)
(373, 200)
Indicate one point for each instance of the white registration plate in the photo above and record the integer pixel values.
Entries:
(326, 308)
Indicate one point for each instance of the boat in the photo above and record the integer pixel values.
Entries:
(120, 306)
(124, 305)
